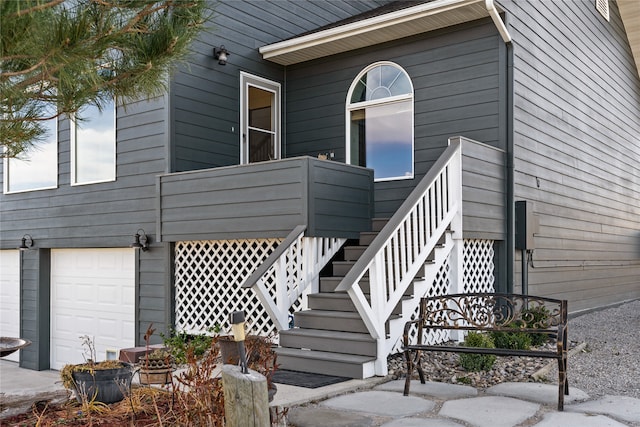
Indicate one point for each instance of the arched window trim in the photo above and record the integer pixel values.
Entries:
(349, 107)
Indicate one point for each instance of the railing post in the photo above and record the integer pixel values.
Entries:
(378, 299)
(456, 260)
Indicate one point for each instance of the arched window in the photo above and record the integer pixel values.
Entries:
(380, 121)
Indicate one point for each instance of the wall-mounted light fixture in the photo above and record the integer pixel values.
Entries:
(221, 54)
(141, 241)
(27, 242)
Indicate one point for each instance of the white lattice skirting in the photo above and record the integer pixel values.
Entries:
(208, 279)
(209, 275)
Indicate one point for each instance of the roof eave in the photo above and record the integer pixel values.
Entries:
(379, 29)
(630, 13)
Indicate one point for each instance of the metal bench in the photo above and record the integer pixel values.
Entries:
(488, 312)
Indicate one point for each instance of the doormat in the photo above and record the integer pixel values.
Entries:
(305, 379)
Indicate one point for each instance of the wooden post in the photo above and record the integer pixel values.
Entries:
(246, 400)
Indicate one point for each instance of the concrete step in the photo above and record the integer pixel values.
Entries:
(331, 341)
(322, 362)
(330, 321)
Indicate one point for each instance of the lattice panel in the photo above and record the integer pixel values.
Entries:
(478, 266)
(208, 279)
(478, 276)
(441, 286)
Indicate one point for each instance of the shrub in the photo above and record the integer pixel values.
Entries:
(181, 343)
(513, 340)
(537, 317)
(477, 362)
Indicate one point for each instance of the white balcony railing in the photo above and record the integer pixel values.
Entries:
(291, 271)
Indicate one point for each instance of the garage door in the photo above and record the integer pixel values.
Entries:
(10, 297)
(92, 293)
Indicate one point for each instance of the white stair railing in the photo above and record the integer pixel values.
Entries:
(290, 271)
(402, 247)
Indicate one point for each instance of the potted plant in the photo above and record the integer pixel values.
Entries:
(106, 381)
(156, 368)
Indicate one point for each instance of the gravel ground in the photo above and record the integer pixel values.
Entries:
(608, 365)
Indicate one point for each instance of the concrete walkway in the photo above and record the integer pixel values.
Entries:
(374, 402)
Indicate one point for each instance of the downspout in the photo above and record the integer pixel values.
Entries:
(509, 142)
(510, 172)
(493, 12)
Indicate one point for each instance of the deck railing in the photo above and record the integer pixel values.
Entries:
(401, 249)
(291, 271)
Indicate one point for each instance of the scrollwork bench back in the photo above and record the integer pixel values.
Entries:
(488, 312)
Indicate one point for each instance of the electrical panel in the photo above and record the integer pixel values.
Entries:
(526, 225)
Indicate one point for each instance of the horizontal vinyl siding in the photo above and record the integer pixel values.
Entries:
(205, 95)
(483, 191)
(455, 73)
(577, 121)
(265, 200)
(95, 215)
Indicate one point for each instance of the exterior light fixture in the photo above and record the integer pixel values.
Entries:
(221, 54)
(141, 241)
(237, 329)
(27, 242)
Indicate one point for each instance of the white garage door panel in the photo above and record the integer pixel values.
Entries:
(92, 293)
(10, 297)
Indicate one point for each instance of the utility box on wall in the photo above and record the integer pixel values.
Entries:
(526, 225)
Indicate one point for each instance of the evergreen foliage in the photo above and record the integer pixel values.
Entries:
(58, 55)
(477, 362)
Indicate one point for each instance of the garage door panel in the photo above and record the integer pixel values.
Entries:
(10, 297)
(94, 290)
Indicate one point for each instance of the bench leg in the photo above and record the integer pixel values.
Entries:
(563, 383)
(407, 381)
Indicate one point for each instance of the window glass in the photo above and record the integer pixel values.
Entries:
(36, 169)
(94, 146)
(261, 125)
(380, 117)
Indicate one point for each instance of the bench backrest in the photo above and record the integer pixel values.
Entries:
(494, 312)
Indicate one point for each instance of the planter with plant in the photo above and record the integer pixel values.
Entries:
(105, 382)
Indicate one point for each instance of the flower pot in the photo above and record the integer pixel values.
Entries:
(103, 385)
(229, 348)
(154, 376)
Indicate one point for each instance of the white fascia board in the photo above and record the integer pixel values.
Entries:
(369, 25)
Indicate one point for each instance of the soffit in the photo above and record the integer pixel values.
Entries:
(630, 13)
(395, 25)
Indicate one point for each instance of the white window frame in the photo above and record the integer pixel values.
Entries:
(6, 184)
(385, 101)
(73, 140)
(249, 80)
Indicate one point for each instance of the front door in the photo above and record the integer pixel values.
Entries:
(260, 119)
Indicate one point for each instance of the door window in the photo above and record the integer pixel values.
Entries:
(260, 120)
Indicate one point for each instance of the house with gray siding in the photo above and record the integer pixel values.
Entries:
(346, 159)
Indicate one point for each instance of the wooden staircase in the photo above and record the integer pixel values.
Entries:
(330, 337)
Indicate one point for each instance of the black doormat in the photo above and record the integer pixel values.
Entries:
(305, 379)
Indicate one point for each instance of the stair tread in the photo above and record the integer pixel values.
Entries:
(329, 313)
(323, 333)
(323, 355)
(332, 295)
